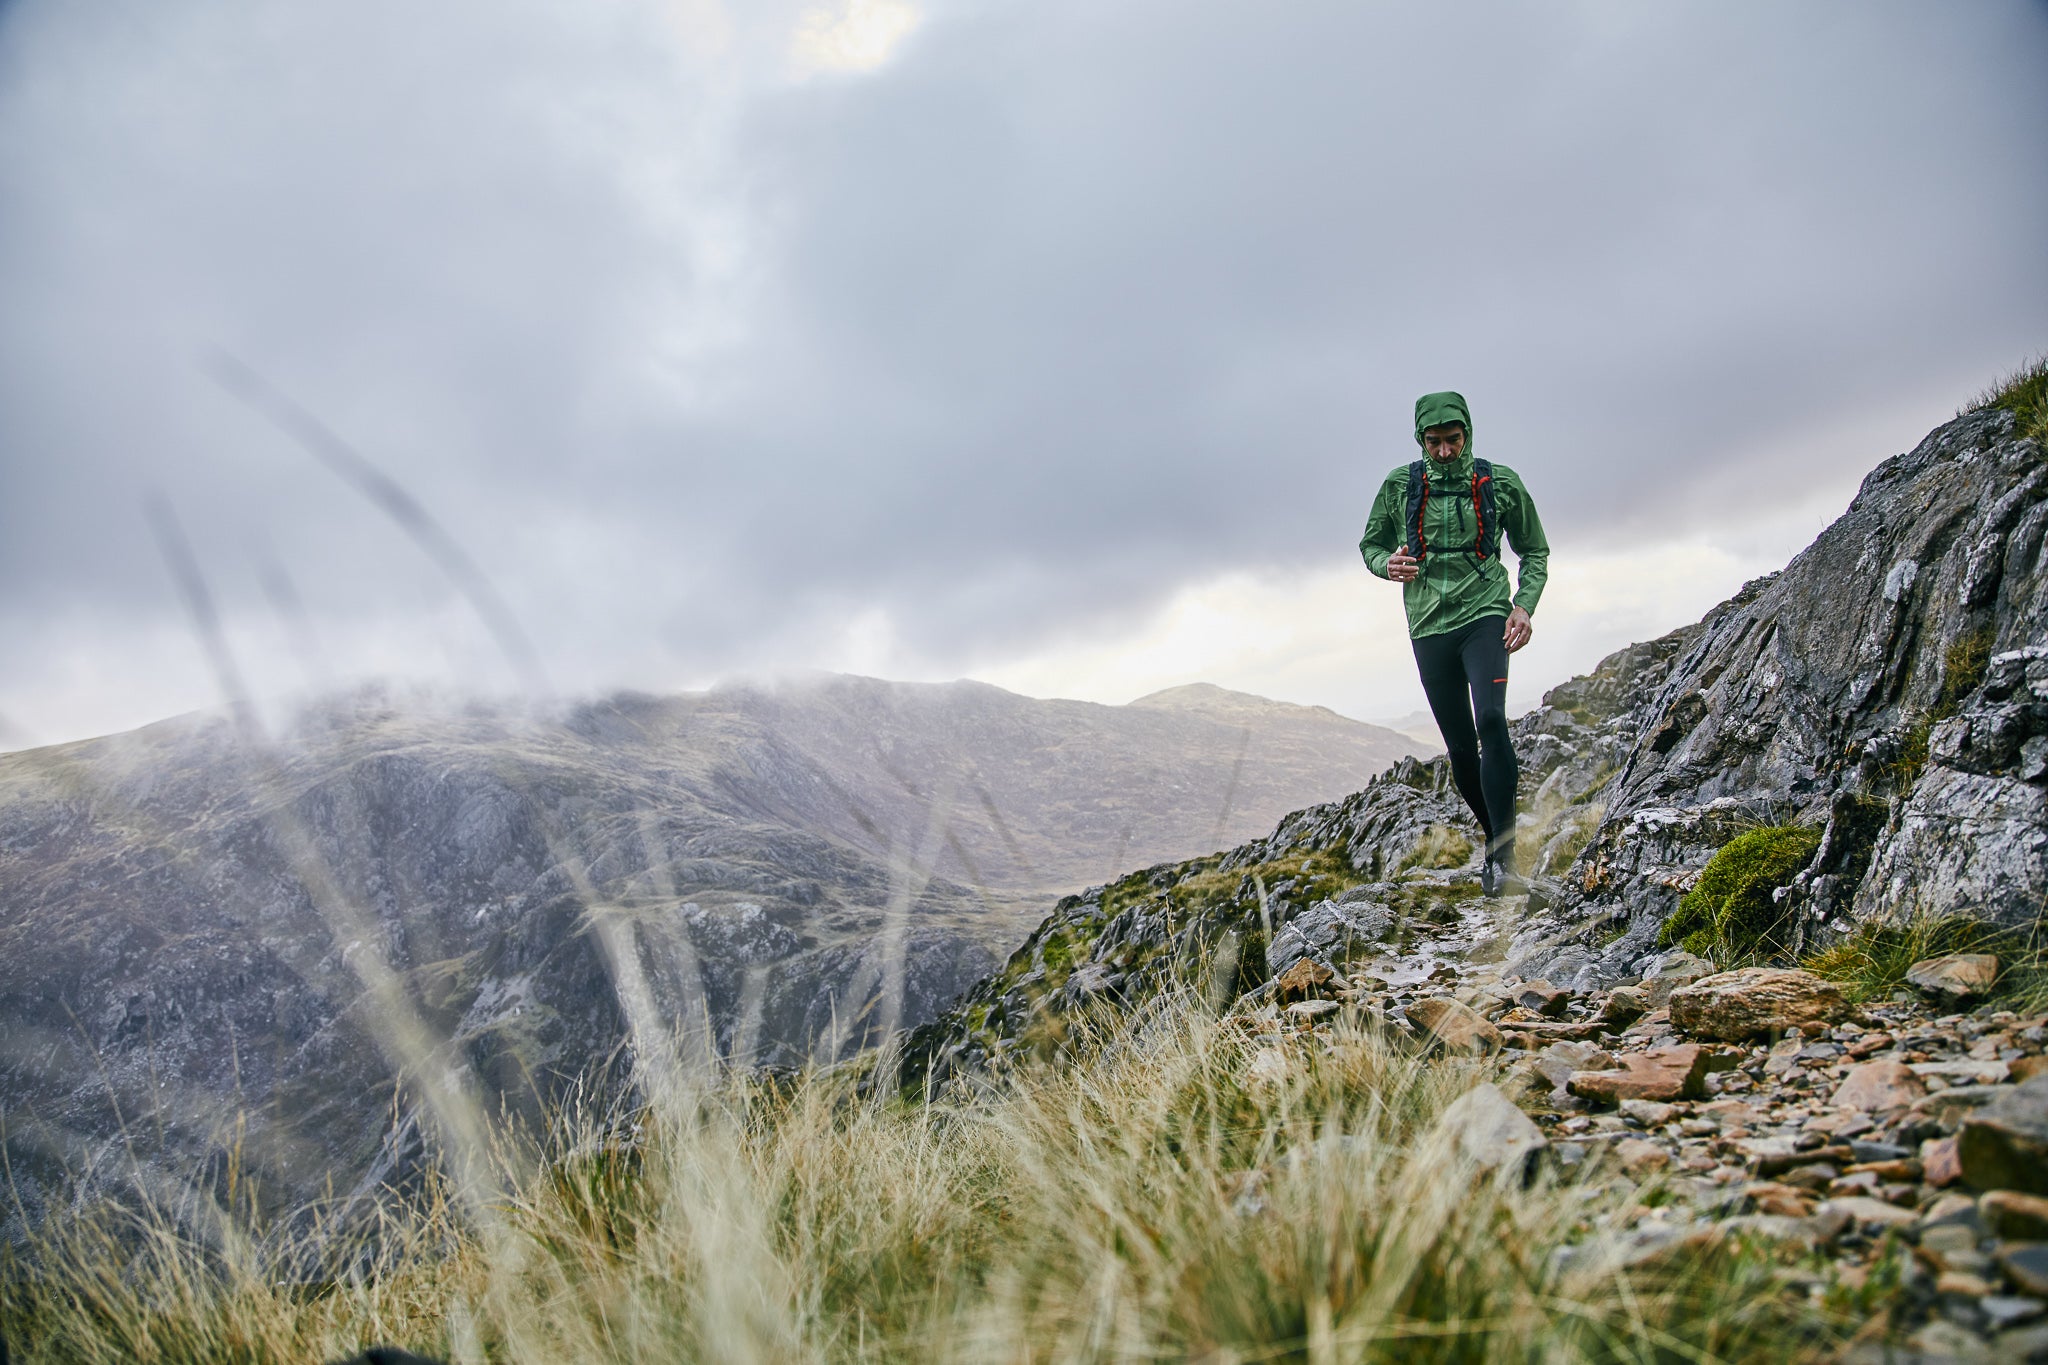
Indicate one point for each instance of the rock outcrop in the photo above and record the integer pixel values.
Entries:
(1888, 688)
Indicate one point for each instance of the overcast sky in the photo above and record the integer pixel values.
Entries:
(1056, 344)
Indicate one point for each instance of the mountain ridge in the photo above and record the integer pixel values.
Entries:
(787, 871)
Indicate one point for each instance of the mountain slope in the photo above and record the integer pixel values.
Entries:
(1889, 688)
(191, 931)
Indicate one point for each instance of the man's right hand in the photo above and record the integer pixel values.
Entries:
(1402, 566)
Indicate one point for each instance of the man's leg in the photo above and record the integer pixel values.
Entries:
(1445, 681)
(1485, 658)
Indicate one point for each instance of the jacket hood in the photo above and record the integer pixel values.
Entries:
(1437, 409)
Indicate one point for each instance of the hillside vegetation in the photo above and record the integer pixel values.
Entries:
(1159, 1202)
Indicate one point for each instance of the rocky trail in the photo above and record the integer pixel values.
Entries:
(1903, 1139)
(1851, 747)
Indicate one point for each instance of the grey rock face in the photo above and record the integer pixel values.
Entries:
(1886, 686)
(1889, 686)
(1327, 931)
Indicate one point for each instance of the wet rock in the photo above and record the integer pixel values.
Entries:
(1754, 1002)
(1455, 1027)
(1485, 1127)
(2004, 1144)
(1879, 1087)
(1957, 975)
(2014, 1217)
(1671, 1073)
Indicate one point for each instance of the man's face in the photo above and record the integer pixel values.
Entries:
(1446, 442)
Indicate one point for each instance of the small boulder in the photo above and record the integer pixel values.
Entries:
(1544, 999)
(1676, 970)
(1753, 1002)
(1527, 1087)
(1486, 1128)
(1640, 1159)
(1649, 1113)
(1305, 980)
(1624, 1005)
(2024, 1069)
(1956, 976)
(1779, 1200)
(1873, 1213)
(1878, 1087)
(1665, 1073)
(1454, 1027)
(2026, 1265)
(1939, 1164)
(2014, 1217)
(1560, 1060)
(1308, 1010)
(2004, 1144)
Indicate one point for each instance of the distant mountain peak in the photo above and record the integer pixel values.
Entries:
(1208, 697)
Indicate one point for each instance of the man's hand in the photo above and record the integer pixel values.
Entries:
(1402, 568)
(1517, 633)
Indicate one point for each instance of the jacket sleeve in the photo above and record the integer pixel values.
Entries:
(1532, 549)
(1383, 528)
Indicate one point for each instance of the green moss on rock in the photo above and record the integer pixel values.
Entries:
(1731, 915)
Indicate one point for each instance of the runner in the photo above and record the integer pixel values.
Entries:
(1436, 528)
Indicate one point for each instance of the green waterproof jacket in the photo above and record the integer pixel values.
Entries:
(1456, 587)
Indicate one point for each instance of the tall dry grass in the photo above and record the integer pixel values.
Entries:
(1152, 1203)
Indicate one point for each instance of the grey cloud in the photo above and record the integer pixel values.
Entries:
(1063, 307)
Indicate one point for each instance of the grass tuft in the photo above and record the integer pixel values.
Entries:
(1162, 1200)
(2023, 393)
(1439, 847)
(1873, 961)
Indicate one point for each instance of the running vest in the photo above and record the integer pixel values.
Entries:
(1486, 529)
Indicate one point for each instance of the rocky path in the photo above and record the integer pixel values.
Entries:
(1904, 1139)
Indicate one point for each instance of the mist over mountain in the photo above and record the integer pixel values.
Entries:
(193, 931)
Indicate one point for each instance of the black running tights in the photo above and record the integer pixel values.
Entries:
(1465, 674)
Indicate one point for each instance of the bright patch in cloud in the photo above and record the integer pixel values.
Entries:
(854, 35)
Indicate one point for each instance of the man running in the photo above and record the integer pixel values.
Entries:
(1436, 529)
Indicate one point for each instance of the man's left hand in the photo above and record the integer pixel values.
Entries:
(1517, 633)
